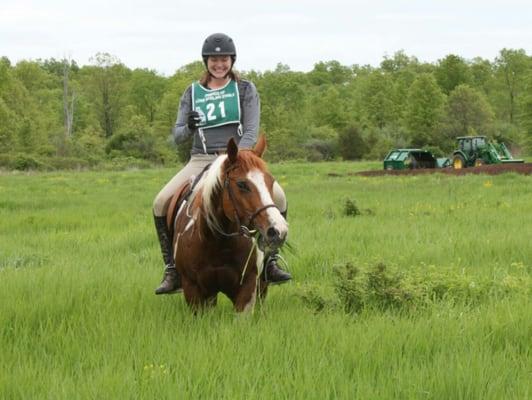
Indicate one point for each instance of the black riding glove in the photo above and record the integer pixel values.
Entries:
(193, 120)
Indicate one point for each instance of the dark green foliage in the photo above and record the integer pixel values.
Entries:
(145, 92)
(351, 209)
(386, 290)
(482, 75)
(330, 72)
(24, 162)
(320, 150)
(379, 141)
(424, 110)
(183, 150)
(314, 299)
(451, 72)
(351, 144)
(513, 66)
(468, 113)
(353, 112)
(379, 105)
(135, 140)
(526, 113)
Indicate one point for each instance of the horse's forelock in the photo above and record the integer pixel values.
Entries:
(246, 160)
(212, 183)
(249, 160)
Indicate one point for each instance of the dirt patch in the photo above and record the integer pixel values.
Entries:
(494, 169)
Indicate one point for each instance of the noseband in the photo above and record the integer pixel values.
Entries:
(243, 229)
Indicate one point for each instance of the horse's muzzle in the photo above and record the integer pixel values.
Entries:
(274, 237)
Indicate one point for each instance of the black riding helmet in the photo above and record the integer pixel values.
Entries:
(218, 44)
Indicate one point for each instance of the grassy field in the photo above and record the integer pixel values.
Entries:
(79, 261)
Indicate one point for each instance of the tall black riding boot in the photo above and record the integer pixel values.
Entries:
(171, 282)
(272, 273)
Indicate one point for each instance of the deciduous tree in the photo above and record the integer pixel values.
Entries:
(468, 112)
(451, 72)
(424, 110)
(511, 69)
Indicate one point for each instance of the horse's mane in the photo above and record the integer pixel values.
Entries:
(211, 184)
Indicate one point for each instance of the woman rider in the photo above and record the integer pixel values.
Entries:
(218, 107)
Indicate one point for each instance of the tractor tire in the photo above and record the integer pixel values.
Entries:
(458, 162)
(479, 162)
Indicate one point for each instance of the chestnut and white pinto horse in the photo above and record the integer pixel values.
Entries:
(222, 231)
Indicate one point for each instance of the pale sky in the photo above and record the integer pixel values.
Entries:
(165, 35)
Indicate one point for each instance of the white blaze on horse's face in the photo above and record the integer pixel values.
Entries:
(275, 219)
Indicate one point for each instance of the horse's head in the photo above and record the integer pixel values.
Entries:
(248, 194)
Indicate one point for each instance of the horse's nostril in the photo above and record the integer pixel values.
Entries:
(272, 233)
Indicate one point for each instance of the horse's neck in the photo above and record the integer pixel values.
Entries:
(219, 223)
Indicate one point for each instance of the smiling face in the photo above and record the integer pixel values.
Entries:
(219, 66)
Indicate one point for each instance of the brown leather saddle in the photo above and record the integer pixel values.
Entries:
(182, 193)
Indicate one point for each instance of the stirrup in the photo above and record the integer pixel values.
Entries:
(273, 274)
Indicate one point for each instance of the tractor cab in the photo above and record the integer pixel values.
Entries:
(470, 144)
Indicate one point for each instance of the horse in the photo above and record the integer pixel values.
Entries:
(222, 232)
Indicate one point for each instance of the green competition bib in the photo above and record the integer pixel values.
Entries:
(216, 106)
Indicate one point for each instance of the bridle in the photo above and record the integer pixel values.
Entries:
(243, 229)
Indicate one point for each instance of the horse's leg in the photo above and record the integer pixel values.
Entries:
(193, 296)
(246, 297)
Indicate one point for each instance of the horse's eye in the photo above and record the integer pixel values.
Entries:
(243, 186)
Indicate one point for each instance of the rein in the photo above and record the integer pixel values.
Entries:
(243, 229)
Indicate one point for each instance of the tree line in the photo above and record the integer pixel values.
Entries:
(55, 114)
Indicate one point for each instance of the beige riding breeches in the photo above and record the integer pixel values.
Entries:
(193, 168)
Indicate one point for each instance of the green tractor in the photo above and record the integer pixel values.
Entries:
(474, 151)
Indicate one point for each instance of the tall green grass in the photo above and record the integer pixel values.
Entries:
(79, 261)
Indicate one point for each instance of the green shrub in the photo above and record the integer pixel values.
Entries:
(23, 162)
(314, 298)
(135, 140)
(350, 288)
(65, 163)
(351, 144)
(351, 209)
(387, 289)
(320, 150)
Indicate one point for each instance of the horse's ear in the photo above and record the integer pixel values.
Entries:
(232, 150)
(260, 147)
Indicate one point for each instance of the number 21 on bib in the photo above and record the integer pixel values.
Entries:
(216, 107)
